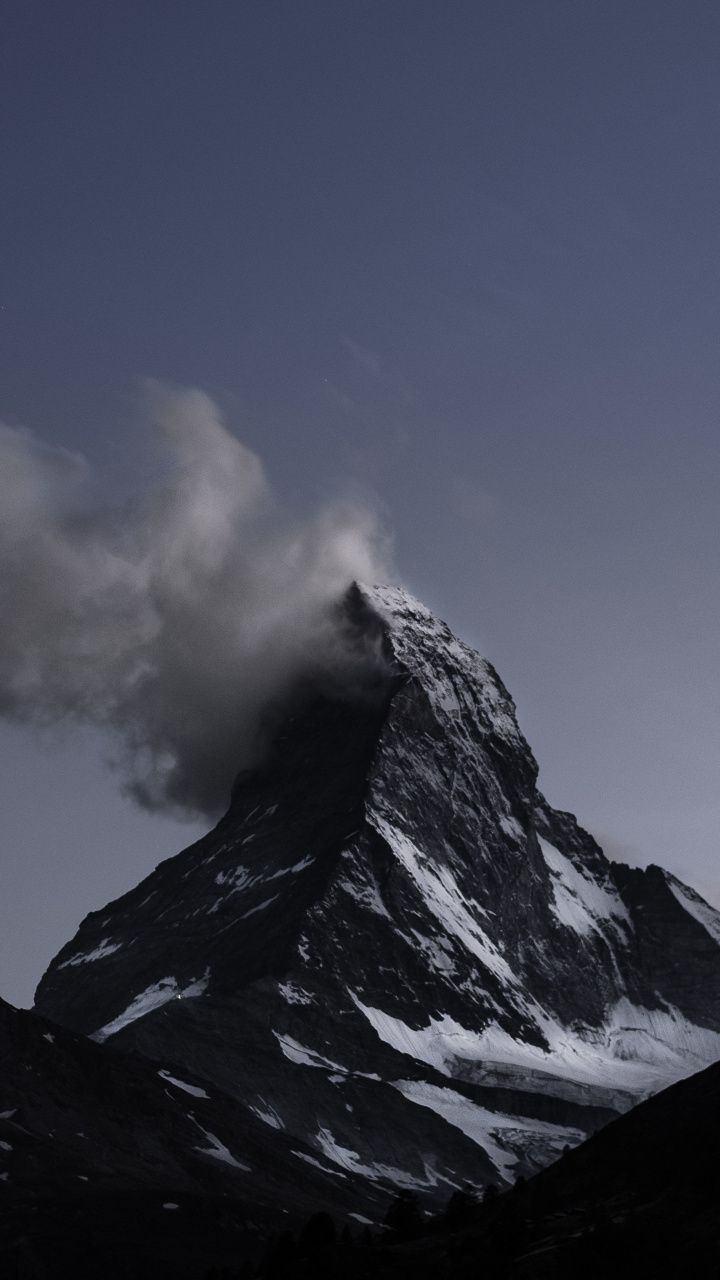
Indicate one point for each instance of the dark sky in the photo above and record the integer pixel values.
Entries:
(460, 259)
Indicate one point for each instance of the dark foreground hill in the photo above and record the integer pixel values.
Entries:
(391, 966)
(108, 1173)
(639, 1199)
(110, 1165)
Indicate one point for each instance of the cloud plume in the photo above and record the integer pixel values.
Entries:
(175, 621)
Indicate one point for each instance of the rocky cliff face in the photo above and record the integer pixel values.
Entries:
(392, 950)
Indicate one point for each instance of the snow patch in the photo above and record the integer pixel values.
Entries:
(334, 1173)
(300, 866)
(486, 1128)
(348, 1159)
(188, 1088)
(512, 827)
(218, 1150)
(268, 1115)
(445, 901)
(104, 948)
(581, 902)
(368, 895)
(153, 997)
(455, 677)
(301, 1056)
(436, 952)
(426, 1043)
(695, 906)
(294, 994)
(636, 1050)
(260, 907)
(235, 880)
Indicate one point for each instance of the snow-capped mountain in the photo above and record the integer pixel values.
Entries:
(392, 950)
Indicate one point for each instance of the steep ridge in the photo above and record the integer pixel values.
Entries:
(393, 949)
(111, 1165)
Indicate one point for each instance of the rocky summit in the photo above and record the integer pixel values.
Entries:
(405, 967)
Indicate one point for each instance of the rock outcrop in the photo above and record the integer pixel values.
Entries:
(392, 951)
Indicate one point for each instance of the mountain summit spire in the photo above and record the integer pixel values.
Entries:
(391, 946)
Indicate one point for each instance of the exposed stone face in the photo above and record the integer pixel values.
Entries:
(394, 946)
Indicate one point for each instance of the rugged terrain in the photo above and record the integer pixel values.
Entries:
(111, 1165)
(637, 1199)
(391, 951)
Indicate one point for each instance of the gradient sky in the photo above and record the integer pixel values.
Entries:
(459, 258)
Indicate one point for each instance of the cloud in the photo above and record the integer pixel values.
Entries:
(174, 622)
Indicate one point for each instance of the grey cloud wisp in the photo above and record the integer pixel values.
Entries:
(175, 622)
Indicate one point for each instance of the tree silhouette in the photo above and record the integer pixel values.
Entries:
(318, 1233)
(462, 1206)
(280, 1254)
(404, 1214)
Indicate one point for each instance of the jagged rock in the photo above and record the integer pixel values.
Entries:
(393, 950)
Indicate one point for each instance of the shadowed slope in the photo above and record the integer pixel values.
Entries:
(395, 946)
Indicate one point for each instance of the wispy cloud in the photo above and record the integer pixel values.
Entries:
(177, 620)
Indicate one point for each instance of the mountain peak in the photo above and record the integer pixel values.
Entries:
(392, 944)
(460, 683)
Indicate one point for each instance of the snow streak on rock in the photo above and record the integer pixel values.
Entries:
(153, 997)
(696, 906)
(104, 948)
(580, 901)
(415, 971)
(503, 1137)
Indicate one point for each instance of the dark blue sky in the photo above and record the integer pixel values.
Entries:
(460, 258)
